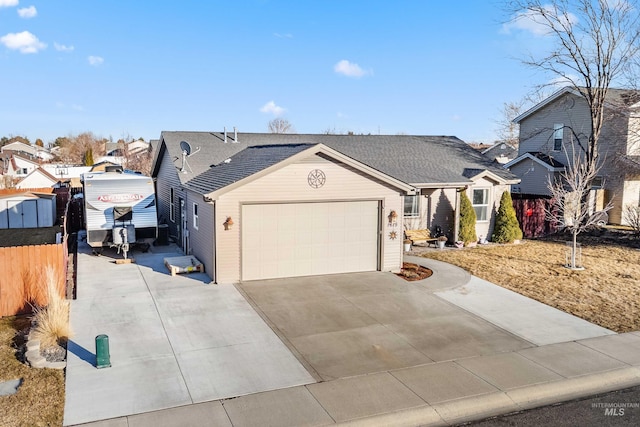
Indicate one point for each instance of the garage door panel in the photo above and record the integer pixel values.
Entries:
(301, 239)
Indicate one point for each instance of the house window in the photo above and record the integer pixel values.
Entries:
(558, 130)
(596, 183)
(412, 206)
(480, 202)
(195, 216)
(172, 205)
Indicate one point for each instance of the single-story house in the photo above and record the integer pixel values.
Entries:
(256, 206)
(38, 178)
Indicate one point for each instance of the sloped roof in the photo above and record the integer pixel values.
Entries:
(615, 97)
(416, 160)
(541, 158)
(247, 162)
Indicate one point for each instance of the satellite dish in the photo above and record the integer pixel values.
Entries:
(185, 147)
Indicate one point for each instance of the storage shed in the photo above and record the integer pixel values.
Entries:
(27, 210)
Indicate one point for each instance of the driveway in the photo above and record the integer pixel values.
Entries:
(353, 324)
(361, 323)
(173, 340)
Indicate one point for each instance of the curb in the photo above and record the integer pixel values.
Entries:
(477, 408)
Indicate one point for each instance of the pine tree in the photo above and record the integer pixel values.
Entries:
(88, 157)
(467, 220)
(507, 228)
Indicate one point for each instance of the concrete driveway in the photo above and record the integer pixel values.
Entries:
(361, 323)
(173, 340)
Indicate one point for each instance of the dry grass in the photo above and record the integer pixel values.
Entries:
(52, 321)
(606, 293)
(40, 399)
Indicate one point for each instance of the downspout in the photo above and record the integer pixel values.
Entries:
(456, 213)
(215, 240)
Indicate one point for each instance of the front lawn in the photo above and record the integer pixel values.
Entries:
(40, 399)
(606, 293)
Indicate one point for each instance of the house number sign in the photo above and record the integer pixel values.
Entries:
(316, 178)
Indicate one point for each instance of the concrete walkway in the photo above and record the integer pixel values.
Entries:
(173, 341)
(590, 360)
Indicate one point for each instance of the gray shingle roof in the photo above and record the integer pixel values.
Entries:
(415, 160)
(242, 165)
(547, 159)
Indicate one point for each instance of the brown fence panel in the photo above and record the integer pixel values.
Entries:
(23, 278)
(531, 214)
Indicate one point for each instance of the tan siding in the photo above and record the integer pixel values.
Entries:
(436, 209)
(290, 184)
(633, 141)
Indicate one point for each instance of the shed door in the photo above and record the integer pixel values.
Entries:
(305, 239)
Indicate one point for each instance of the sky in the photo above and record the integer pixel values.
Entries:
(131, 69)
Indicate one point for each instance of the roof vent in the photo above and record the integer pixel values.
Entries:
(235, 135)
(225, 134)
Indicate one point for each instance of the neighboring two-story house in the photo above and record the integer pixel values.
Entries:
(552, 129)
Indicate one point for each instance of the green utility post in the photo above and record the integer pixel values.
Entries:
(102, 352)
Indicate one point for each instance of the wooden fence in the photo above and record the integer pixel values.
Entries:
(23, 269)
(531, 214)
(23, 277)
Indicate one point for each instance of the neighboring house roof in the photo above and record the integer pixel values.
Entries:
(615, 97)
(541, 158)
(501, 152)
(33, 177)
(422, 161)
(18, 146)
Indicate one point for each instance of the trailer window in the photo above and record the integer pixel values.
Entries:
(172, 205)
(195, 216)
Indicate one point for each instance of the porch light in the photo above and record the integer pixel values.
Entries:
(228, 223)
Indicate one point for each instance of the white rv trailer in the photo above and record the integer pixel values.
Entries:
(119, 208)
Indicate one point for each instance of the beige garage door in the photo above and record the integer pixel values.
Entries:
(305, 239)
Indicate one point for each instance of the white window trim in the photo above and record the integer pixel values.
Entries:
(417, 215)
(172, 205)
(558, 133)
(487, 205)
(195, 216)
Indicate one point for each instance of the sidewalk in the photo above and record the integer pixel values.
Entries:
(444, 393)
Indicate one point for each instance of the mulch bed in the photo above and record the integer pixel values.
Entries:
(412, 272)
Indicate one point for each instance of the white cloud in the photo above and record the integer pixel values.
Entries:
(25, 42)
(283, 36)
(77, 107)
(95, 60)
(271, 108)
(349, 69)
(27, 12)
(8, 3)
(534, 23)
(62, 48)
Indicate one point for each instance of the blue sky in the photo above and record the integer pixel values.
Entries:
(136, 68)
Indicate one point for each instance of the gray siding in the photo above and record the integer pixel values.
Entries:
(202, 239)
(534, 178)
(166, 179)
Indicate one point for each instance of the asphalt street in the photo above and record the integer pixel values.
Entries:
(618, 408)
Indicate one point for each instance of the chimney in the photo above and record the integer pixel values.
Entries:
(225, 134)
(235, 134)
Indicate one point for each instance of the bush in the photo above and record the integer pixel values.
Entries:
(467, 231)
(52, 321)
(631, 214)
(507, 229)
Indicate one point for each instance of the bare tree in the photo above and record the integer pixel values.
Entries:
(631, 214)
(508, 131)
(74, 147)
(572, 209)
(280, 125)
(595, 43)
